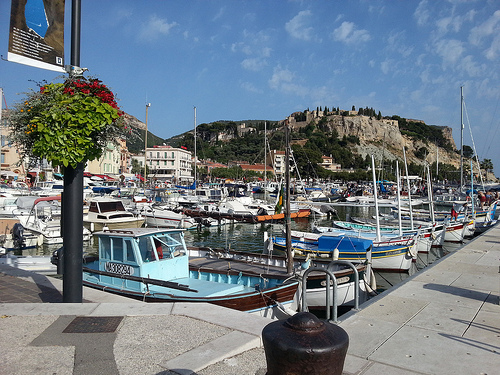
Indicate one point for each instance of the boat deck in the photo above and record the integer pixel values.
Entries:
(235, 266)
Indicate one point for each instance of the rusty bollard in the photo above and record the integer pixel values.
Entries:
(304, 345)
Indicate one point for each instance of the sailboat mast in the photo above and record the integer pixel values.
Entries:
(195, 147)
(437, 162)
(1, 103)
(461, 136)
(265, 161)
(377, 218)
(398, 179)
(409, 188)
(288, 221)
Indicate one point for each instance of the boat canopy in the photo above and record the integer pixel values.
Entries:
(343, 243)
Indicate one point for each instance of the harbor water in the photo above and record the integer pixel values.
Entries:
(250, 237)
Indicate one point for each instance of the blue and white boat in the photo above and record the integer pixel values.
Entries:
(397, 257)
(154, 265)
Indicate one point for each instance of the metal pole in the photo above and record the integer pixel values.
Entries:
(145, 148)
(72, 206)
(195, 184)
(461, 137)
(288, 220)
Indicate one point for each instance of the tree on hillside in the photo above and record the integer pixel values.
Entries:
(468, 152)
(487, 166)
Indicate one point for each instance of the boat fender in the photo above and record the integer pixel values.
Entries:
(413, 251)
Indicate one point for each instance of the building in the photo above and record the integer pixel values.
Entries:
(260, 168)
(278, 160)
(327, 163)
(109, 163)
(167, 163)
(9, 159)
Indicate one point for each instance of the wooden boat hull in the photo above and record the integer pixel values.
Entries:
(278, 217)
(247, 302)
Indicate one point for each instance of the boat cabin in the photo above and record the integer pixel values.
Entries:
(138, 252)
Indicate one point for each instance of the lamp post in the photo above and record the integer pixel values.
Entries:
(72, 199)
(146, 146)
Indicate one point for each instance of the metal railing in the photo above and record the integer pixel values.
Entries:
(330, 306)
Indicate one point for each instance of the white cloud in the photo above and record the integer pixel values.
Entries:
(492, 52)
(280, 76)
(219, 14)
(385, 66)
(472, 68)
(155, 27)
(254, 64)
(297, 26)
(248, 86)
(450, 50)
(421, 13)
(283, 80)
(396, 42)
(454, 22)
(347, 33)
(484, 30)
(489, 28)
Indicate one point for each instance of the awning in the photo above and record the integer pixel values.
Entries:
(8, 174)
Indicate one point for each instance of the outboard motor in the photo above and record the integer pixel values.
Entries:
(261, 211)
(18, 236)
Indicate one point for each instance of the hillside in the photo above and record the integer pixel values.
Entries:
(348, 137)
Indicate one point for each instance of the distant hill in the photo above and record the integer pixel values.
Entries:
(350, 138)
(136, 144)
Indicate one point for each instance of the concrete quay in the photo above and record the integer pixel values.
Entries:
(443, 320)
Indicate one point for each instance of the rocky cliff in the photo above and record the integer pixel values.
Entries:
(383, 138)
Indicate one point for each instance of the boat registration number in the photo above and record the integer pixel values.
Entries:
(120, 269)
(340, 280)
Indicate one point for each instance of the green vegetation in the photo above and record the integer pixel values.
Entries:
(420, 131)
(222, 142)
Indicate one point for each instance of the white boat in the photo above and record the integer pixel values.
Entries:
(110, 213)
(44, 220)
(159, 217)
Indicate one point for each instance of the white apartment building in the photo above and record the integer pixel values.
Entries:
(167, 163)
(278, 160)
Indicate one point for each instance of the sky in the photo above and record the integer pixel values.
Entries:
(263, 60)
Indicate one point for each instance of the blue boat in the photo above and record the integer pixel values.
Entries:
(356, 250)
(154, 265)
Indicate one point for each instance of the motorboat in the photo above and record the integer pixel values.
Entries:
(110, 213)
(44, 221)
(155, 265)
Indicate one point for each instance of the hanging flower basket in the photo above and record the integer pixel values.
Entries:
(67, 123)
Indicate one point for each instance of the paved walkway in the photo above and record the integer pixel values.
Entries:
(443, 320)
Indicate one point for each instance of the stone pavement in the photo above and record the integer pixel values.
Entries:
(443, 320)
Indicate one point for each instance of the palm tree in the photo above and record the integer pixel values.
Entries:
(487, 166)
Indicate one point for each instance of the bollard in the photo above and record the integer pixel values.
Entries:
(304, 345)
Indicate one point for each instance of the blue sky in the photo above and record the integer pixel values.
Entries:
(239, 60)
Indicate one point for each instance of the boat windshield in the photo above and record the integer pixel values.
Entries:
(164, 246)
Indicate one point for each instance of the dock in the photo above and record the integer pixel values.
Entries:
(443, 320)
